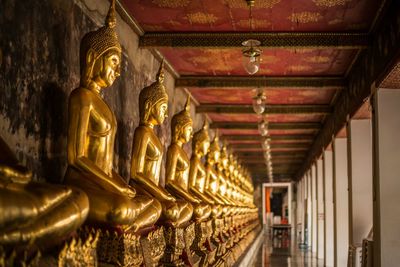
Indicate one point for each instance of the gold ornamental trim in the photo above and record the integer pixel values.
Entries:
(342, 40)
(294, 82)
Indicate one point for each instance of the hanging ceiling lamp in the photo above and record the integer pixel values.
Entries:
(263, 127)
(251, 51)
(259, 102)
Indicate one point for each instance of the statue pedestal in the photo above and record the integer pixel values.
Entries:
(153, 247)
(80, 251)
(202, 246)
(218, 239)
(119, 248)
(175, 244)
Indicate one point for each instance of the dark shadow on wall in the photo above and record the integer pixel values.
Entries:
(52, 136)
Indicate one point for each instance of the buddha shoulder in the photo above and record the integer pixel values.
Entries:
(82, 96)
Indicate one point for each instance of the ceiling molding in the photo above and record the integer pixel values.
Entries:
(269, 109)
(339, 40)
(314, 82)
(271, 125)
(298, 137)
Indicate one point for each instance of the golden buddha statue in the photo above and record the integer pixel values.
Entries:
(212, 178)
(91, 133)
(35, 212)
(147, 153)
(197, 173)
(177, 165)
(222, 164)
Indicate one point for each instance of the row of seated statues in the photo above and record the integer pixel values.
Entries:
(196, 219)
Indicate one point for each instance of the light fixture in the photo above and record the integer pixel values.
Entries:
(259, 102)
(266, 144)
(263, 127)
(251, 51)
(251, 56)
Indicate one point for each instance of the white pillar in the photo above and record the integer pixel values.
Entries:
(329, 248)
(309, 210)
(360, 180)
(304, 210)
(320, 210)
(386, 178)
(314, 208)
(299, 210)
(341, 204)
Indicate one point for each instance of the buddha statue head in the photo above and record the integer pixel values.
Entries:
(100, 54)
(231, 163)
(182, 125)
(214, 151)
(225, 156)
(153, 101)
(201, 141)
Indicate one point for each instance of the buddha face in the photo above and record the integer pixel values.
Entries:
(204, 146)
(186, 133)
(216, 155)
(159, 111)
(107, 68)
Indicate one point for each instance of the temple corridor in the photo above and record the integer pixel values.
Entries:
(199, 133)
(283, 253)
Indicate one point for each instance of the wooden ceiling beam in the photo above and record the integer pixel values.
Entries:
(277, 154)
(308, 137)
(297, 40)
(270, 82)
(276, 161)
(271, 125)
(279, 145)
(269, 109)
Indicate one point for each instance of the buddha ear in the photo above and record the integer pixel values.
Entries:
(87, 75)
(146, 110)
(90, 57)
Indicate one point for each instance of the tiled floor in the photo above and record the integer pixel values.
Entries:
(283, 252)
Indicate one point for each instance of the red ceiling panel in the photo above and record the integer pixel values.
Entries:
(274, 62)
(272, 132)
(278, 96)
(274, 141)
(260, 149)
(269, 15)
(217, 117)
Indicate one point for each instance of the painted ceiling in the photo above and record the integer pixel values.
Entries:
(307, 62)
(269, 15)
(220, 117)
(274, 62)
(279, 96)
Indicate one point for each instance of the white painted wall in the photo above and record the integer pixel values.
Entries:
(329, 248)
(360, 179)
(387, 178)
(320, 210)
(341, 201)
(314, 208)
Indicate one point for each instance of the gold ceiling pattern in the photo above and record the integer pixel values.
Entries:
(258, 4)
(331, 3)
(201, 18)
(305, 17)
(171, 3)
(257, 23)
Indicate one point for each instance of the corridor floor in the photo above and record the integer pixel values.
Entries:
(283, 252)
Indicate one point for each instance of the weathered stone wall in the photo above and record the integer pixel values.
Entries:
(39, 67)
